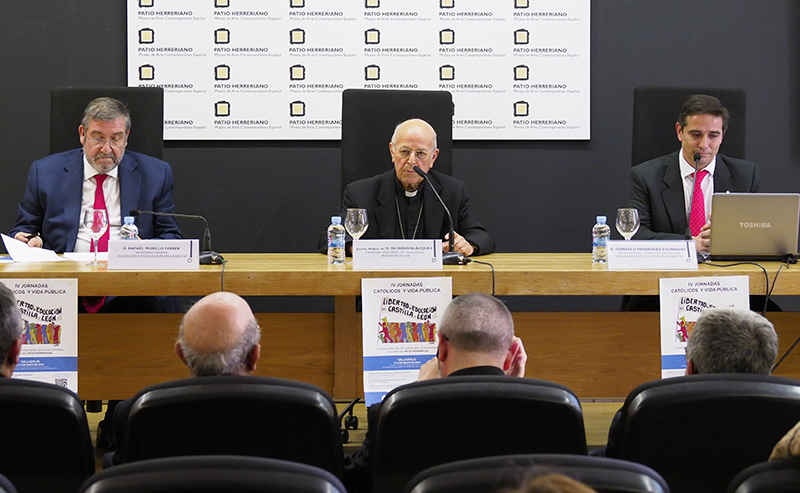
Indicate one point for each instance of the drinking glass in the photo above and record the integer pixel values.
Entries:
(627, 222)
(356, 222)
(95, 221)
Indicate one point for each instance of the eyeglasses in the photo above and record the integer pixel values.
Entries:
(420, 154)
(115, 142)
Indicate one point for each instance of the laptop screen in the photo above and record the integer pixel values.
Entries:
(755, 226)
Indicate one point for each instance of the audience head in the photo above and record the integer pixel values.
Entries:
(476, 329)
(10, 331)
(219, 336)
(413, 144)
(554, 483)
(729, 340)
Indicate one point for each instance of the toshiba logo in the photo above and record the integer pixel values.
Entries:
(752, 225)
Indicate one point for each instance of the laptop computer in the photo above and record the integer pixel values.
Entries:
(754, 226)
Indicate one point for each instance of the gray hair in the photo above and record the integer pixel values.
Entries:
(106, 110)
(477, 322)
(232, 361)
(727, 340)
(10, 320)
(397, 130)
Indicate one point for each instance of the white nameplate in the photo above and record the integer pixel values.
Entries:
(153, 254)
(652, 255)
(397, 254)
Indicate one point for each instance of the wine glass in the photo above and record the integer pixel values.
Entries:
(95, 221)
(627, 222)
(356, 222)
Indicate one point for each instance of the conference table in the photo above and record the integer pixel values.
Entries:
(600, 355)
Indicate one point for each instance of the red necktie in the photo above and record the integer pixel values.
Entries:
(100, 203)
(93, 304)
(698, 216)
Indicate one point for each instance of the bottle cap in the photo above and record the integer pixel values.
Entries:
(601, 219)
(128, 220)
(336, 219)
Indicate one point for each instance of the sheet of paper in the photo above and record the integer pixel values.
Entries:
(21, 252)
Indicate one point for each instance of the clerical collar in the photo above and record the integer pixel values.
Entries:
(411, 194)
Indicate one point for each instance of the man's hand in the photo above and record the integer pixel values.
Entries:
(460, 244)
(518, 359)
(702, 241)
(35, 242)
(430, 370)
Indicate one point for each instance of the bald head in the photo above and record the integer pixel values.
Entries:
(219, 335)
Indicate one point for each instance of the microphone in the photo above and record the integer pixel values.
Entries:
(696, 158)
(452, 257)
(207, 256)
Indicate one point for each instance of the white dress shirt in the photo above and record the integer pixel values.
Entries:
(111, 192)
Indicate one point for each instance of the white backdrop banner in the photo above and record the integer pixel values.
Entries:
(275, 69)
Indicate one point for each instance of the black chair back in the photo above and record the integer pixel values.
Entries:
(433, 422)
(491, 474)
(699, 431)
(146, 105)
(234, 415)
(217, 474)
(655, 112)
(780, 476)
(369, 117)
(47, 445)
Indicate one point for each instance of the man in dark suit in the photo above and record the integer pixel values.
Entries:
(662, 188)
(399, 206)
(476, 337)
(61, 186)
(219, 335)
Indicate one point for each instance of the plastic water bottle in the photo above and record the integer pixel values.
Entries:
(129, 231)
(336, 241)
(600, 233)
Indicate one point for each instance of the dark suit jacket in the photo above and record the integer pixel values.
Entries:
(657, 192)
(52, 201)
(358, 468)
(377, 195)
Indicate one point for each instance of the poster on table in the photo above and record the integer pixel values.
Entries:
(399, 321)
(683, 300)
(275, 69)
(49, 309)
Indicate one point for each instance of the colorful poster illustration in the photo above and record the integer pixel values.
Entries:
(49, 309)
(399, 321)
(683, 300)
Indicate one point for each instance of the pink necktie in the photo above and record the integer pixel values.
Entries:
(93, 304)
(698, 216)
(100, 203)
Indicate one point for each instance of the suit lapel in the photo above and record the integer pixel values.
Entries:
(129, 184)
(71, 197)
(722, 177)
(672, 196)
(386, 211)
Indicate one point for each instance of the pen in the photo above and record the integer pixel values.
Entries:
(31, 236)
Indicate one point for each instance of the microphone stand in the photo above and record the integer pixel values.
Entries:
(700, 256)
(452, 257)
(207, 256)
